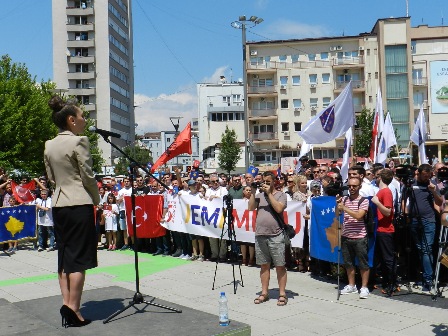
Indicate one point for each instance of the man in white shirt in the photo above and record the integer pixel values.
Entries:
(366, 186)
(45, 221)
(126, 190)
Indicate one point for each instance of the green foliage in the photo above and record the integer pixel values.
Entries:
(140, 154)
(93, 140)
(26, 120)
(363, 133)
(230, 151)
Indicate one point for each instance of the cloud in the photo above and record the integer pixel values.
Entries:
(221, 71)
(287, 29)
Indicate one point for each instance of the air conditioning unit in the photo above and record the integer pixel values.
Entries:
(297, 109)
(253, 53)
(283, 87)
(286, 133)
(361, 48)
(255, 76)
(313, 85)
(339, 48)
(412, 47)
(332, 48)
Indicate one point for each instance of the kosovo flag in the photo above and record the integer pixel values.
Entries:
(194, 174)
(325, 230)
(17, 222)
(252, 170)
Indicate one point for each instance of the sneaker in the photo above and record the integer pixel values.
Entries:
(10, 250)
(40, 249)
(157, 253)
(185, 257)
(349, 290)
(166, 253)
(50, 249)
(364, 293)
(426, 288)
(124, 247)
(14, 249)
(201, 258)
(193, 258)
(181, 256)
(177, 254)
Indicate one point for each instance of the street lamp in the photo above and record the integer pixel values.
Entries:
(242, 23)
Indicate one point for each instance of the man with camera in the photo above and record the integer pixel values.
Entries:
(269, 237)
(421, 209)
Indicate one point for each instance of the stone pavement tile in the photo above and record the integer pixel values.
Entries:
(428, 314)
(425, 328)
(324, 307)
(361, 329)
(381, 320)
(7, 296)
(30, 291)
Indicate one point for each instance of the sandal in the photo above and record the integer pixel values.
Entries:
(262, 298)
(282, 300)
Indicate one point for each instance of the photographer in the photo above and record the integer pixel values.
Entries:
(421, 208)
(269, 237)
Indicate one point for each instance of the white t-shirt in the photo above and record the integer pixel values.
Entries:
(219, 192)
(46, 220)
(121, 194)
(110, 218)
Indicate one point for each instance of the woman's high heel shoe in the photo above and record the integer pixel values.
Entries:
(70, 319)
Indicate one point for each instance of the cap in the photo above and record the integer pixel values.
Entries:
(314, 184)
(191, 182)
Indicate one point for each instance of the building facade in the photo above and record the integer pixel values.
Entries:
(219, 105)
(289, 81)
(93, 60)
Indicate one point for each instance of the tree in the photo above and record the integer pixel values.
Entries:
(140, 154)
(363, 133)
(230, 151)
(26, 119)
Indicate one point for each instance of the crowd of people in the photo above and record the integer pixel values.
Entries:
(414, 197)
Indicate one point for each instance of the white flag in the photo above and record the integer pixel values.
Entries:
(304, 150)
(378, 124)
(387, 140)
(418, 136)
(346, 155)
(333, 121)
(380, 111)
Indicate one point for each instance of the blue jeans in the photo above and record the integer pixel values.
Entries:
(423, 237)
(46, 232)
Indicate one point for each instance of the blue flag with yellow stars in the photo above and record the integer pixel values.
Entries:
(194, 174)
(17, 222)
(252, 170)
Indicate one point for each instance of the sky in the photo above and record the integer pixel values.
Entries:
(178, 43)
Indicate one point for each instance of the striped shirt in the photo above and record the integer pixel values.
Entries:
(353, 228)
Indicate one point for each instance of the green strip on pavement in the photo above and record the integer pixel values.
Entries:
(149, 265)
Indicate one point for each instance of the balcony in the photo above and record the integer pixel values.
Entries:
(80, 27)
(80, 43)
(90, 107)
(265, 136)
(349, 62)
(262, 90)
(358, 108)
(263, 113)
(232, 108)
(421, 81)
(273, 65)
(358, 85)
(81, 59)
(418, 104)
(81, 75)
(82, 91)
(79, 11)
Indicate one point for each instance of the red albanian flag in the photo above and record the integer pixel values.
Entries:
(22, 193)
(148, 213)
(181, 145)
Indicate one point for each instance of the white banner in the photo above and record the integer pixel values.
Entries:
(194, 215)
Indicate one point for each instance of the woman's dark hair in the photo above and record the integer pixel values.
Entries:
(61, 110)
(113, 197)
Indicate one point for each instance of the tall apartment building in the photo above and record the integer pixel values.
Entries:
(219, 105)
(289, 81)
(93, 59)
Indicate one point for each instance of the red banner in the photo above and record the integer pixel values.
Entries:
(22, 192)
(148, 213)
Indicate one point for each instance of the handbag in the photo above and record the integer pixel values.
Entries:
(288, 229)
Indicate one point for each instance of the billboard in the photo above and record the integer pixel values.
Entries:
(439, 86)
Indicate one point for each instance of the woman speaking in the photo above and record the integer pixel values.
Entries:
(69, 164)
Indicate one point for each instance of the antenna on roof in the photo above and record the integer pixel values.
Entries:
(407, 8)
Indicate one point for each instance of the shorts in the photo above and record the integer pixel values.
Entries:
(270, 250)
(355, 247)
(122, 224)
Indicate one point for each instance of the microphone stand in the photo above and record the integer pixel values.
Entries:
(138, 297)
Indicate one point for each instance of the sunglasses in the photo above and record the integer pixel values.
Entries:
(353, 185)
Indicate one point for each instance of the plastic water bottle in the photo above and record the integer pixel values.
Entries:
(223, 310)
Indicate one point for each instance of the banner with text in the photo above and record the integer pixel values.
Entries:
(194, 215)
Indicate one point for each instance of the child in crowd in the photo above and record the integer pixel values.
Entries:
(110, 212)
(13, 243)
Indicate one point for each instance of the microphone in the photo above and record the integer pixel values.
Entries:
(104, 133)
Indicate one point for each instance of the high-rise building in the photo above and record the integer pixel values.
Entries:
(93, 59)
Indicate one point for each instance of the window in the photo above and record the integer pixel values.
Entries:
(311, 57)
(326, 101)
(256, 60)
(297, 127)
(285, 127)
(263, 104)
(368, 52)
(283, 80)
(294, 58)
(82, 68)
(370, 99)
(313, 102)
(263, 129)
(326, 78)
(323, 55)
(313, 79)
(282, 58)
(297, 103)
(236, 98)
(226, 99)
(284, 103)
(295, 80)
(84, 52)
(376, 74)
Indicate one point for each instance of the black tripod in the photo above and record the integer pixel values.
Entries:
(138, 297)
(228, 210)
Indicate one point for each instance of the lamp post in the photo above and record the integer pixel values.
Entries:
(241, 24)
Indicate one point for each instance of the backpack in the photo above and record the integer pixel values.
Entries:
(369, 217)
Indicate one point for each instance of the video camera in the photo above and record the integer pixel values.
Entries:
(442, 176)
(406, 174)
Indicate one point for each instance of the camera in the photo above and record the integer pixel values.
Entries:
(334, 188)
(256, 185)
(406, 174)
(442, 176)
